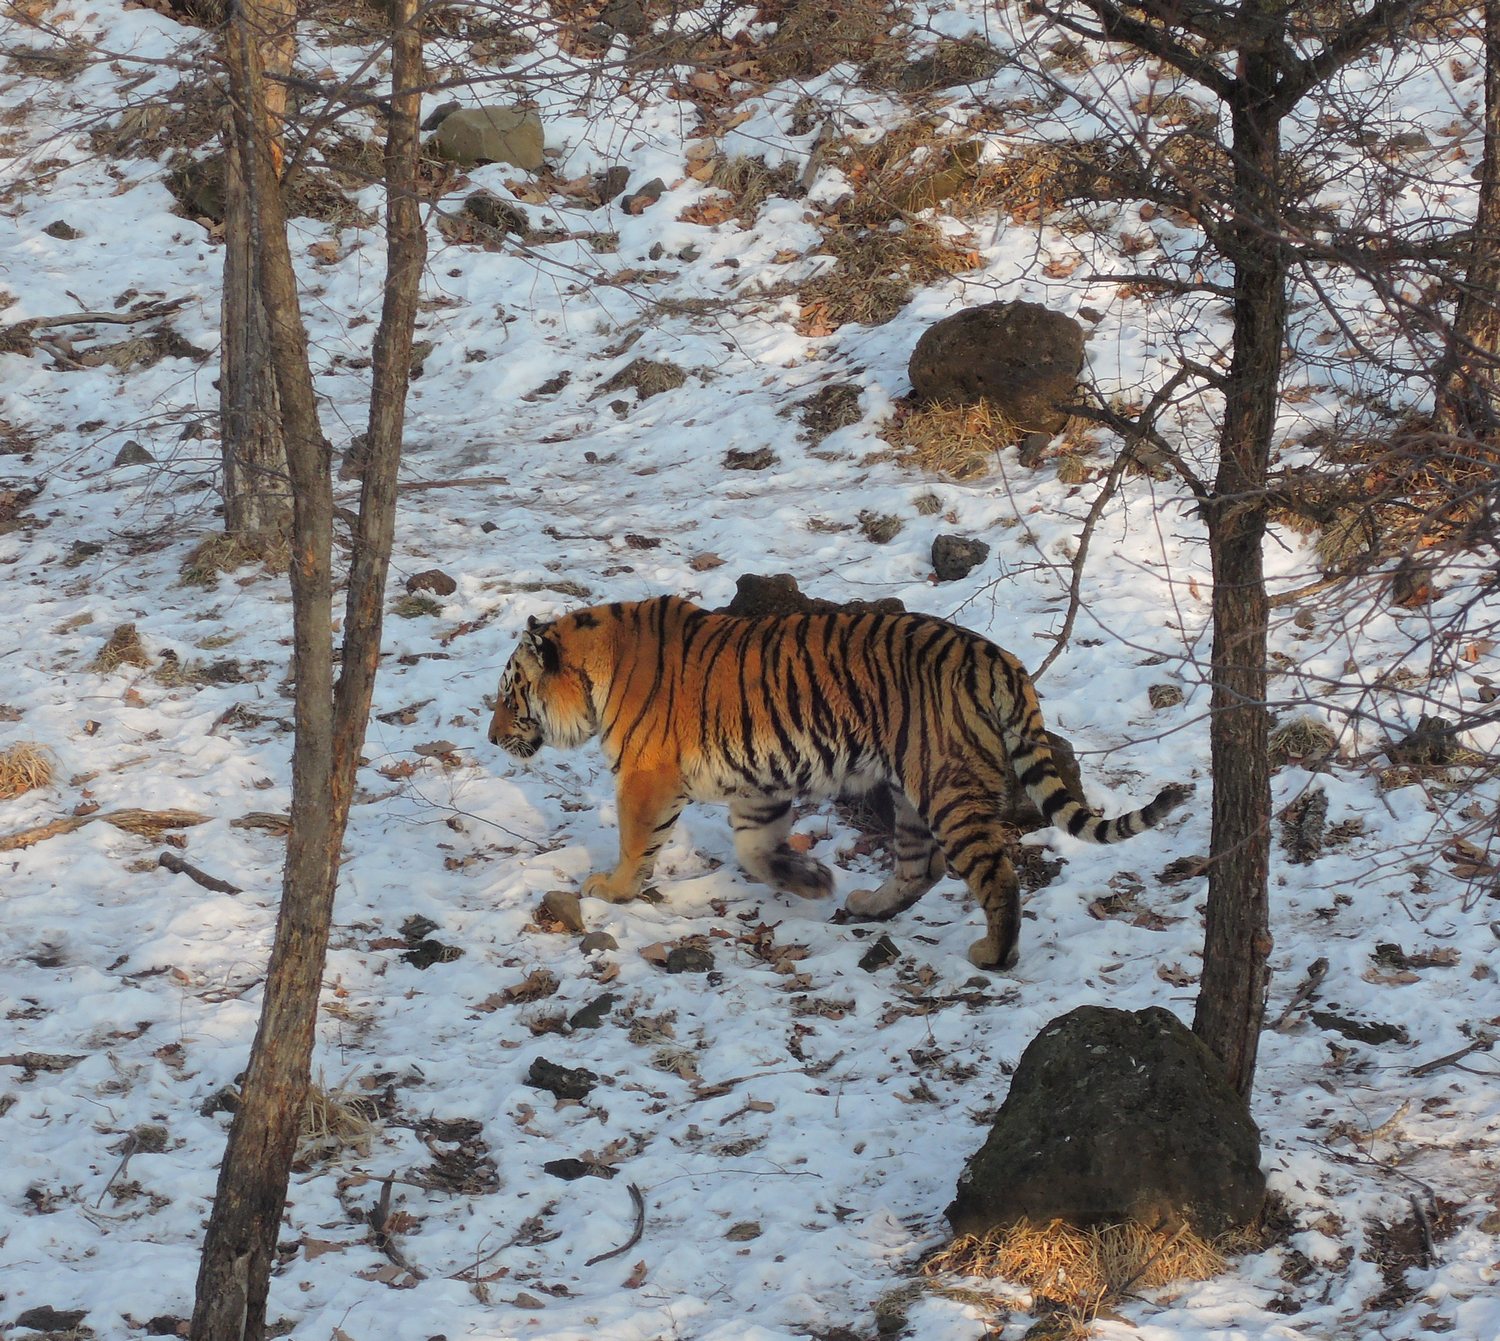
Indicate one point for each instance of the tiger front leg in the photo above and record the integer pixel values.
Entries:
(648, 804)
(761, 825)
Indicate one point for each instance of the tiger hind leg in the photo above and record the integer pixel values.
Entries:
(976, 843)
(919, 865)
(761, 825)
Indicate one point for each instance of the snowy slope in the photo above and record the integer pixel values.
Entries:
(794, 1124)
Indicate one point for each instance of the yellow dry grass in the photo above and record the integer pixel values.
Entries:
(24, 767)
(959, 441)
(224, 553)
(333, 1121)
(1078, 1272)
(123, 649)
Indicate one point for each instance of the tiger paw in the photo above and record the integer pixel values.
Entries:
(800, 875)
(986, 954)
(601, 886)
(869, 904)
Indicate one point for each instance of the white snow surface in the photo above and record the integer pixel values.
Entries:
(795, 1131)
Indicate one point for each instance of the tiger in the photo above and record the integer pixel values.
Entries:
(755, 712)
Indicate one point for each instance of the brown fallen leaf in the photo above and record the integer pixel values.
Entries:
(637, 1276)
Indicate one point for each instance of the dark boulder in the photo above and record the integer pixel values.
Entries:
(1116, 1116)
(1020, 358)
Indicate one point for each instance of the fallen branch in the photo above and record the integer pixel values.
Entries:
(1316, 972)
(146, 823)
(1483, 1042)
(175, 864)
(151, 313)
(640, 1228)
(379, 1217)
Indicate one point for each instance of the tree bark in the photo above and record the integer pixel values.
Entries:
(1237, 939)
(257, 489)
(1468, 390)
(239, 1247)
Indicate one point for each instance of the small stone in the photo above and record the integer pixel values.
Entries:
(433, 580)
(955, 556)
(880, 954)
(563, 905)
(45, 1318)
(566, 1082)
(638, 202)
(1164, 696)
(570, 1170)
(743, 1232)
(595, 1013)
(689, 959)
(1032, 449)
(64, 232)
(424, 954)
(488, 527)
(524, 1300)
(759, 458)
(614, 180)
(596, 942)
(133, 454)
(879, 528)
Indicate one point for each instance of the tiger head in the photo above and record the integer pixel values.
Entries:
(543, 697)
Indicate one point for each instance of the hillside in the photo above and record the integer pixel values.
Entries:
(646, 389)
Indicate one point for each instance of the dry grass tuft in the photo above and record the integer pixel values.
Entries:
(1303, 740)
(24, 767)
(217, 554)
(123, 649)
(812, 36)
(874, 273)
(1074, 1273)
(959, 441)
(334, 1120)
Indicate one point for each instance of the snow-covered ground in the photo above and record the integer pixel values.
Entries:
(794, 1124)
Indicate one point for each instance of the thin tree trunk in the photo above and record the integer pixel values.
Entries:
(1237, 939)
(239, 1248)
(1468, 392)
(257, 489)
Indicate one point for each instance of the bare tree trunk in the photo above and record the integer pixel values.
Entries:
(1468, 391)
(239, 1247)
(257, 489)
(1237, 938)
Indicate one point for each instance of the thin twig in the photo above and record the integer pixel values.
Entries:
(1316, 972)
(640, 1228)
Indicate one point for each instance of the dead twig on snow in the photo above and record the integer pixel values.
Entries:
(640, 1228)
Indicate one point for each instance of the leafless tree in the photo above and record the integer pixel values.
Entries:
(239, 1248)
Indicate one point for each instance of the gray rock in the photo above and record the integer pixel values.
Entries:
(596, 942)
(689, 959)
(564, 906)
(638, 202)
(1020, 358)
(133, 454)
(62, 231)
(1116, 1116)
(491, 135)
(614, 180)
(956, 556)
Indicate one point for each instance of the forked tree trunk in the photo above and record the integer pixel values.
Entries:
(1237, 939)
(239, 1247)
(1468, 391)
(257, 489)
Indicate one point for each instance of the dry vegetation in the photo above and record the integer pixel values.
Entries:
(24, 767)
(959, 441)
(1075, 1273)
